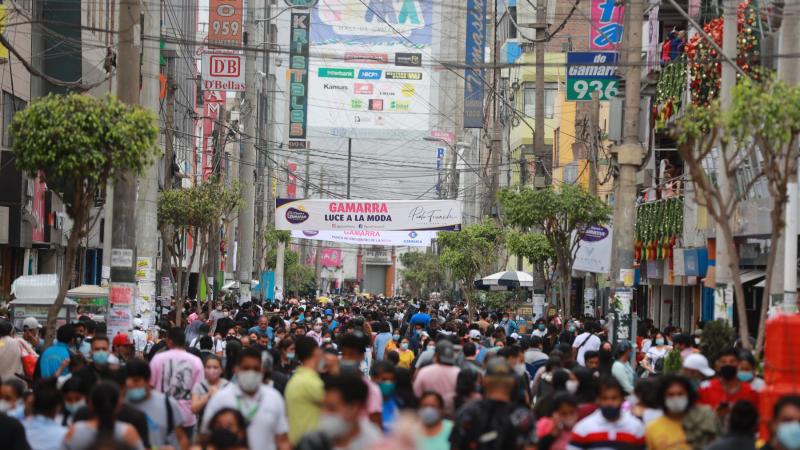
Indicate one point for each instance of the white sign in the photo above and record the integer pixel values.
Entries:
(370, 237)
(594, 251)
(538, 306)
(384, 215)
(122, 257)
(223, 70)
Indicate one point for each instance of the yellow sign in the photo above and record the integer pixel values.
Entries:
(3, 22)
(408, 90)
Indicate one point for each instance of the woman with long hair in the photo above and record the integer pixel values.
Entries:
(227, 430)
(103, 429)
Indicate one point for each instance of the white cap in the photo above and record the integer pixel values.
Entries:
(137, 322)
(698, 362)
(474, 334)
(31, 322)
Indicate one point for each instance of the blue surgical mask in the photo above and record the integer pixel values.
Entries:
(387, 388)
(396, 337)
(788, 434)
(100, 357)
(290, 356)
(136, 394)
(659, 342)
(541, 327)
(745, 376)
(404, 345)
(571, 329)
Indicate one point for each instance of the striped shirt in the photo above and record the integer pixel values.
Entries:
(597, 433)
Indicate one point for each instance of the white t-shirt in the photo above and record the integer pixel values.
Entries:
(266, 413)
(218, 345)
(592, 343)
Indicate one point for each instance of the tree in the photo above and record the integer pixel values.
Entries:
(79, 143)
(421, 272)
(469, 252)
(556, 214)
(762, 126)
(268, 242)
(300, 279)
(192, 214)
(536, 249)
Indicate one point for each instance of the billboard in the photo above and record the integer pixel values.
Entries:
(594, 251)
(389, 215)
(298, 76)
(223, 70)
(591, 71)
(374, 66)
(370, 237)
(607, 25)
(474, 73)
(225, 23)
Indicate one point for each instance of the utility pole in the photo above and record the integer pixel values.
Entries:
(539, 46)
(123, 237)
(724, 294)
(789, 72)
(247, 162)
(214, 238)
(318, 244)
(169, 156)
(349, 163)
(306, 192)
(590, 293)
(280, 250)
(629, 153)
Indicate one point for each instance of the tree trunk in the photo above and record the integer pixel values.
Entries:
(777, 218)
(741, 310)
(66, 273)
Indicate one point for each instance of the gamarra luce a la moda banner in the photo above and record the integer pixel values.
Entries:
(388, 215)
(371, 68)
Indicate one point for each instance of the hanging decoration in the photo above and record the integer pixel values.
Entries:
(658, 226)
(704, 62)
(669, 90)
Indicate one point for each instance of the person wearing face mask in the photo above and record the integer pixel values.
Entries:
(12, 398)
(163, 413)
(743, 425)
(405, 353)
(383, 338)
(695, 368)
(316, 332)
(747, 371)
(287, 359)
(435, 428)
(441, 376)
(515, 358)
(100, 357)
(343, 425)
(53, 357)
(653, 362)
(784, 426)
(541, 329)
(305, 390)
(684, 424)
(211, 384)
(353, 347)
(726, 389)
(555, 432)
(383, 374)
(609, 426)
(74, 393)
(42, 429)
(560, 380)
(509, 325)
(621, 369)
(394, 344)
(261, 405)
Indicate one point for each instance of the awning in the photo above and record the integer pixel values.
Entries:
(763, 283)
(749, 276)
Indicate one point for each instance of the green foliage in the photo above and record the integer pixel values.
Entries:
(470, 251)
(673, 362)
(532, 246)
(299, 277)
(717, 335)
(78, 139)
(421, 272)
(270, 241)
(556, 214)
(199, 206)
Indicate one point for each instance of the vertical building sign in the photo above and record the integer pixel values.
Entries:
(298, 76)
(607, 27)
(291, 181)
(474, 73)
(212, 104)
(439, 162)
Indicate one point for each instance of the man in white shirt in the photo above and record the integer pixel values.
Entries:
(139, 337)
(584, 342)
(262, 406)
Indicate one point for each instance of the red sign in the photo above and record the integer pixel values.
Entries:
(229, 66)
(121, 294)
(291, 184)
(332, 257)
(212, 103)
(363, 88)
(225, 23)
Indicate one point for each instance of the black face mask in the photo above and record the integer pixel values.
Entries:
(611, 413)
(728, 372)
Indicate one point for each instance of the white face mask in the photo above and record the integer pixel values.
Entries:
(5, 406)
(572, 386)
(519, 368)
(249, 380)
(676, 404)
(333, 426)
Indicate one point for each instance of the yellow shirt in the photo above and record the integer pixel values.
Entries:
(406, 357)
(304, 393)
(666, 434)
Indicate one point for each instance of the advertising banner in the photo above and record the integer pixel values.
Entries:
(390, 215)
(370, 237)
(223, 70)
(298, 76)
(591, 71)
(213, 102)
(474, 76)
(594, 251)
(607, 24)
(379, 72)
(331, 257)
(225, 22)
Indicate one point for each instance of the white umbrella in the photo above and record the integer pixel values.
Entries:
(509, 278)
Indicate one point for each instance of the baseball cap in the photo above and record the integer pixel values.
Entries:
(474, 334)
(31, 322)
(445, 352)
(698, 362)
(121, 339)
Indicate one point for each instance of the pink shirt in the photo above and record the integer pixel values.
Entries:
(374, 397)
(438, 378)
(175, 373)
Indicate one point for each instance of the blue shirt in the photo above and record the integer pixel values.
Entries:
(389, 413)
(261, 332)
(52, 358)
(420, 318)
(511, 327)
(44, 433)
(380, 344)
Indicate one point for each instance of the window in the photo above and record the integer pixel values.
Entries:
(550, 94)
(571, 173)
(11, 105)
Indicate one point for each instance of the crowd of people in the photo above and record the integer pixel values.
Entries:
(351, 373)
